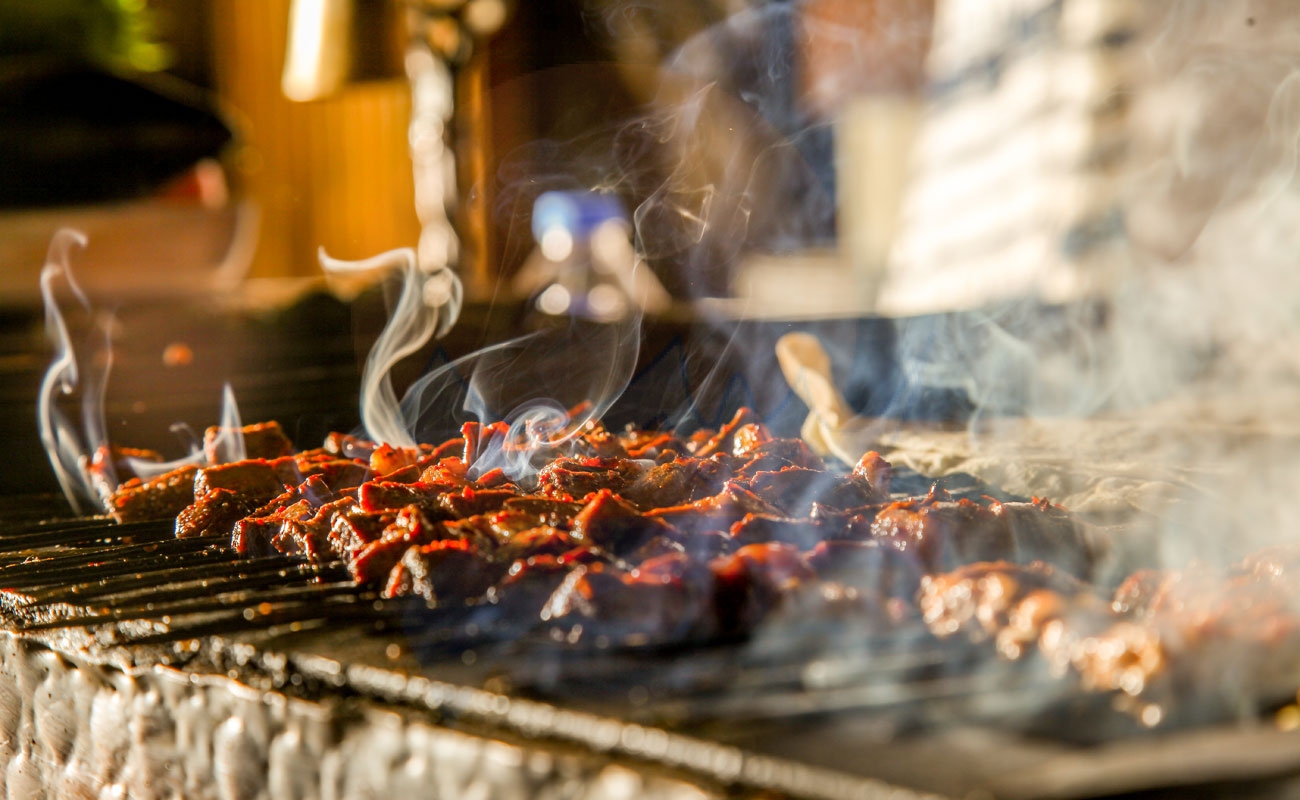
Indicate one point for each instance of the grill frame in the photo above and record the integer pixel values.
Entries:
(289, 652)
(755, 729)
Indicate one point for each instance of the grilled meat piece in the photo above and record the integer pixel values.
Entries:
(751, 582)
(225, 494)
(160, 497)
(782, 452)
(977, 599)
(646, 604)
(1040, 531)
(299, 528)
(945, 533)
(725, 440)
(868, 567)
(545, 510)
(215, 513)
(572, 479)
(539, 541)
(334, 474)
(802, 532)
(308, 534)
(348, 446)
(470, 502)
(353, 528)
(442, 572)
(1135, 595)
(717, 513)
(111, 466)
(261, 440)
(528, 584)
(375, 560)
(795, 489)
(252, 477)
(386, 459)
(614, 525)
(652, 445)
(942, 532)
(383, 495)
(876, 471)
(677, 482)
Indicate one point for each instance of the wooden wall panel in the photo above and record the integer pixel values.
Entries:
(333, 173)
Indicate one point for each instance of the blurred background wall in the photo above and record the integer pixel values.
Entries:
(333, 173)
(567, 94)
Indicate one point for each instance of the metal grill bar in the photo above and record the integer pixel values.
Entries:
(174, 564)
(245, 605)
(337, 607)
(84, 533)
(198, 581)
(55, 558)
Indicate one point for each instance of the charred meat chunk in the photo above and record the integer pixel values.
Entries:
(160, 497)
(374, 561)
(650, 444)
(335, 474)
(262, 440)
(804, 533)
(876, 471)
(676, 482)
(353, 528)
(795, 489)
(442, 572)
(867, 566)
(252, 478)
(1040, 531)
(573, 479)
(787, 452)
(386, 459)
(613, 524)
(751, 582)
(724, 441)
(225, 494)
(381, 495)
(978, 598)
(528, 584)
(111, 466)
(646, 605)
(469, 501)
(717, 513)
(545, 510)
(308, 534)
(539, 541)
(215, 513)
(944, 533)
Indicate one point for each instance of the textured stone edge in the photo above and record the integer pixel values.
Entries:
(76, 725)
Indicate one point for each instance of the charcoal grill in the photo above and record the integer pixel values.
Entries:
(167, 667)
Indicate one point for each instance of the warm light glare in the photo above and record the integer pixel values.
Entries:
(606, 302)
(556, 244)
(610, 247)
(306, 74)
(555, 300)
